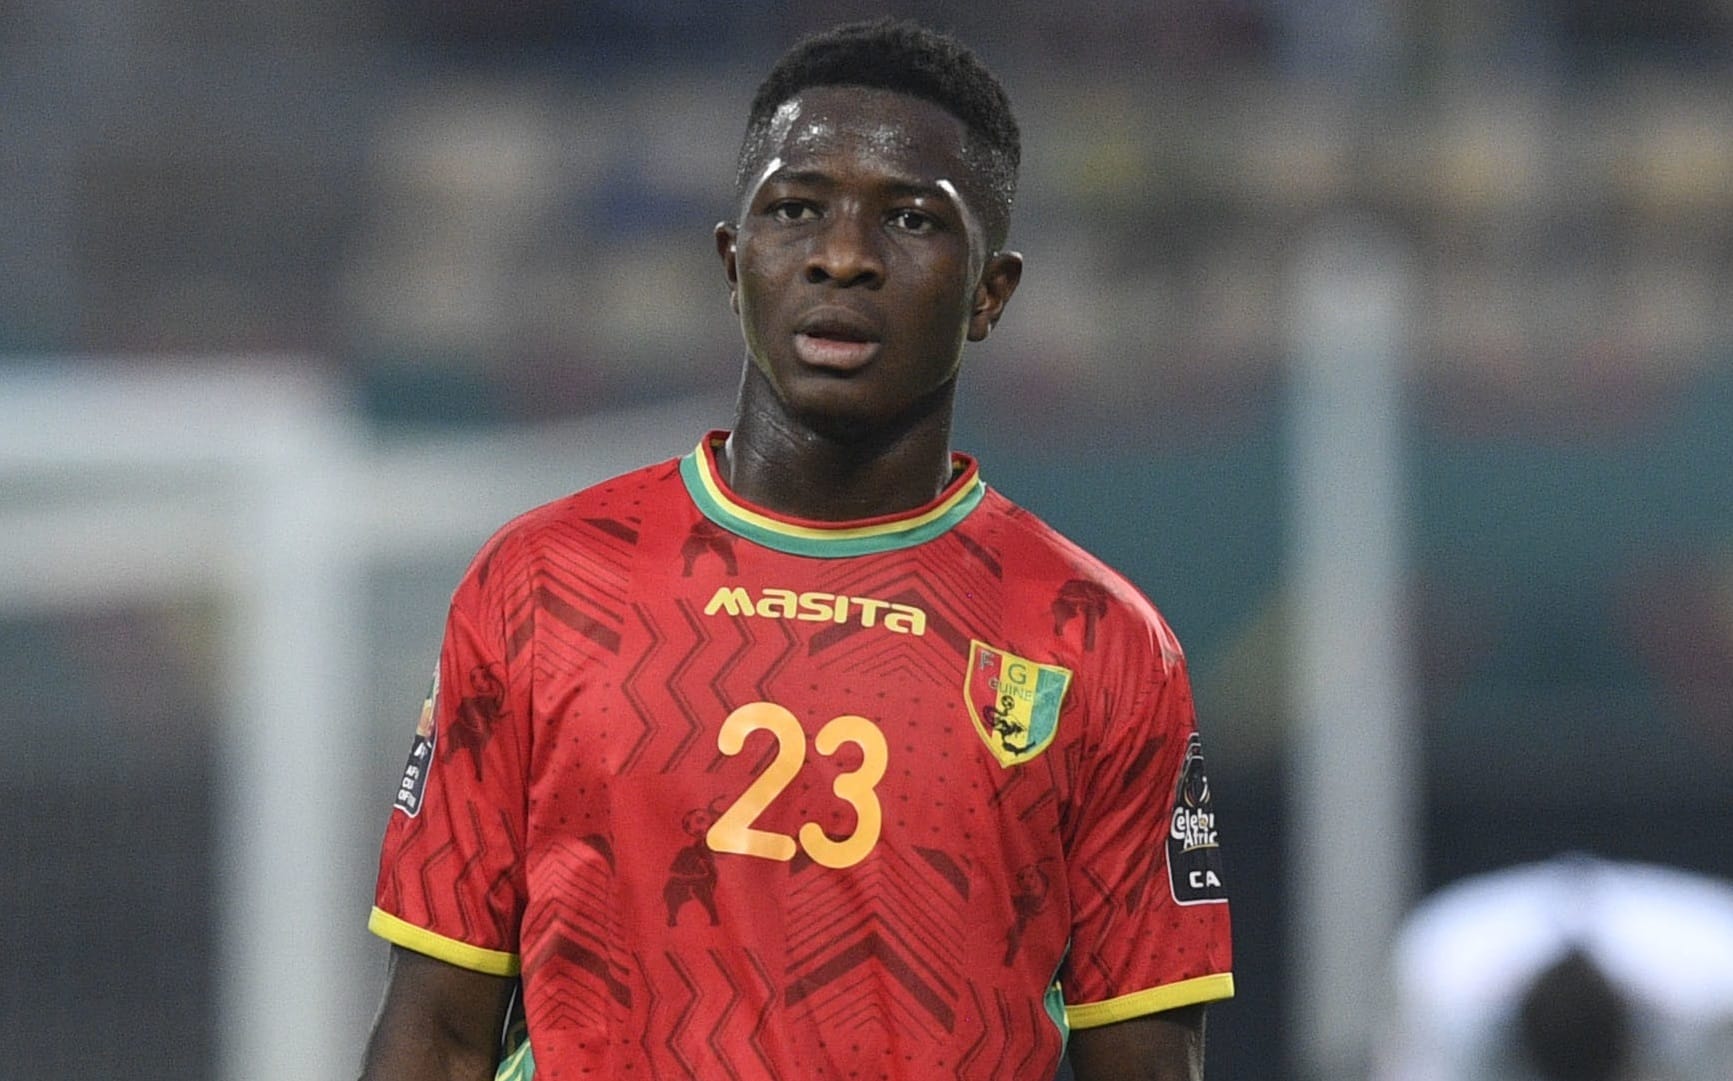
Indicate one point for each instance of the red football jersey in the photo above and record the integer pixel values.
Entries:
(746, 796)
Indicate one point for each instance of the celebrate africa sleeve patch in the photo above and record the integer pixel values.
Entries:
(414, 783)
(1014, 702)
(1194, 854)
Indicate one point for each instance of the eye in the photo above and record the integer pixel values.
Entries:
(791, 210)
(913, 221)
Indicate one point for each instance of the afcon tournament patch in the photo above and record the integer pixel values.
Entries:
(1194, 855)
(1014, 701)
(414, 781)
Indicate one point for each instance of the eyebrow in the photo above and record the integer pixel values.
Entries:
(817, 178)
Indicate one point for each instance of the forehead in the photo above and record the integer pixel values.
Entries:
(882, 130)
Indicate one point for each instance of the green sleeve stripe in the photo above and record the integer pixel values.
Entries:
(520, 1065)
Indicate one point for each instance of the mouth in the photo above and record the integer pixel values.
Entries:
(837, 340)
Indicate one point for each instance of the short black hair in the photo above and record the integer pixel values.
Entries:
(905, 57)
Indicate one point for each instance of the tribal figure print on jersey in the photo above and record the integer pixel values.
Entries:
(746, 797)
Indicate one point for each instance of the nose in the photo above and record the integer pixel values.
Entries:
(846, 252)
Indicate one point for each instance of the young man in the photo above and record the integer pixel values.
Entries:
(807, 755)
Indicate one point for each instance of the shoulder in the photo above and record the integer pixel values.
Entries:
(609, 514)
(1076, 585)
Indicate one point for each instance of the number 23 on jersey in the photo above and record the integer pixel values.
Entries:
(734, 831)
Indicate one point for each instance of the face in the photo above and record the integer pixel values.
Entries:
(856, 265)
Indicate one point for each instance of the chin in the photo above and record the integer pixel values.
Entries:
(836, 421)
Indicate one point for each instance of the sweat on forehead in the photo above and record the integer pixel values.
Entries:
(821, 119)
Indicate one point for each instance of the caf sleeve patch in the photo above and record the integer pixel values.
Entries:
(1194, 855)
(414, 782)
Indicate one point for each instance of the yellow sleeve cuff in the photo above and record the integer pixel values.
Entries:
(1154, 1000)
(403, 933)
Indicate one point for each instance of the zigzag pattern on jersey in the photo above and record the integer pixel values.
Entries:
(449, 891)
(929, 577)
(572, 938)
(709, 1035)
(897, 919)
(665, 677)
(581, 589)
(903, 929)
(998, 1057)
(1100, 893)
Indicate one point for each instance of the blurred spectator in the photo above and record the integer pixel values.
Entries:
(1572, 1024)
(1575, 969)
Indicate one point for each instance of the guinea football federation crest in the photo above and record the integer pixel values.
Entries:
(1014, 702)
(414, 783)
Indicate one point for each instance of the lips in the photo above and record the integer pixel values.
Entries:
(838, 339)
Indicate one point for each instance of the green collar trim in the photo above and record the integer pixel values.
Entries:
(828, 540)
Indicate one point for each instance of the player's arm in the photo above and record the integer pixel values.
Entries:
(1166, 1046)
(438, 1022)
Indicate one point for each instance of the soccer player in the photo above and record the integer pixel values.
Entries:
(807, 754)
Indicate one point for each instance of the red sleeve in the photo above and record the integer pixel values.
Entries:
(1150, 916)
(451, 882)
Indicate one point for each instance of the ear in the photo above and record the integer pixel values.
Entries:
(999, 280)
(726, 235)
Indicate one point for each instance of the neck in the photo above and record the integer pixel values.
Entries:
(836, 472)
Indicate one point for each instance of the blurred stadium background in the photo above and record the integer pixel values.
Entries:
(1386, 345)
